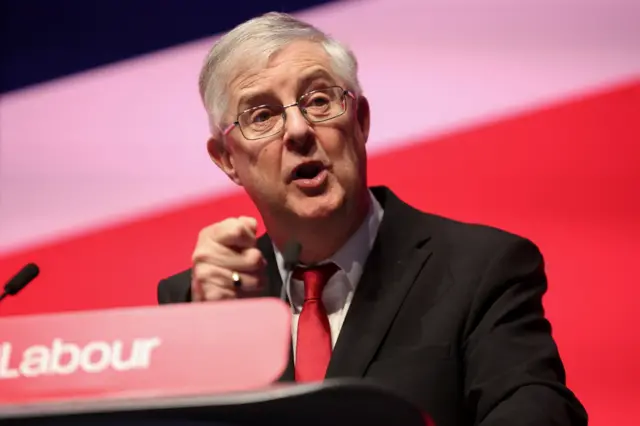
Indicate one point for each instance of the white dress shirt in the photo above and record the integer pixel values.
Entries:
(338, 292)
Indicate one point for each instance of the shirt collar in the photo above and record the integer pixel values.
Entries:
(352, 256)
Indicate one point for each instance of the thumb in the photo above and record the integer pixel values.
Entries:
(250, 222)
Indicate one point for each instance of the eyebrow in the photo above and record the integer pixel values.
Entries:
(314, 75)
(307, 79)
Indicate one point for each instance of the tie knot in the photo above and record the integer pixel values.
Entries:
(315, 278)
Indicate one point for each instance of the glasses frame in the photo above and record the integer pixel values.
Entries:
(236, 123)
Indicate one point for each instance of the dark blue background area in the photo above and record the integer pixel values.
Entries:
(44, 39)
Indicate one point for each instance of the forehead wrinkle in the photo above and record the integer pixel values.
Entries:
(306, 79)
(312, 58)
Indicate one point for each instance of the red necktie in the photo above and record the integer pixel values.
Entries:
(313, 346)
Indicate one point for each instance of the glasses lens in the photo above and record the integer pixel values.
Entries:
(323, 105)
(261, 122)
(268, 120)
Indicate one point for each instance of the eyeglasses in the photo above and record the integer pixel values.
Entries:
(268, 120)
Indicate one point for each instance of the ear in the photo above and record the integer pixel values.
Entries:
(221, 155)
(363, 114)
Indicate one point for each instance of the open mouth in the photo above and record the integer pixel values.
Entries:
(307, 171)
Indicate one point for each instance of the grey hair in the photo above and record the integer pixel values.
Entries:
(251, 44)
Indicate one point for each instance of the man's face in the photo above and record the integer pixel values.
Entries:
(309, 170)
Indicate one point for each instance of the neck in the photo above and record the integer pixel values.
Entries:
(322, 238)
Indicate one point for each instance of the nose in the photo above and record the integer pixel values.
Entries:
(298, 134)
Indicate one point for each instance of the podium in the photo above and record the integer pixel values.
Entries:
(200, 364)
(340, 402)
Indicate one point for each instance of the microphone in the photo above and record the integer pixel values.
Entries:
(291, 256)
(20, 280)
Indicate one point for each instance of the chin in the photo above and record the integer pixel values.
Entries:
(320, 206)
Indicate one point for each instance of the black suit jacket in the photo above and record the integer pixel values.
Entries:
(448, 315)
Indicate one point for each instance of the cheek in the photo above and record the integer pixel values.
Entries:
(348, 146)
(335, 140)
(266, 163)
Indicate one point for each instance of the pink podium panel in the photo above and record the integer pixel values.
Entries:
(173, 350)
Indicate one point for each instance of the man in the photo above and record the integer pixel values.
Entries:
(447, 314)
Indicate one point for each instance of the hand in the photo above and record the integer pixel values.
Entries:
(222, 249)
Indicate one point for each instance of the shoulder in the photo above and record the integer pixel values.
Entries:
(492, 272)
(463, 244)
(470, 237)
(469, 252)
(175, 288)
(480, 249)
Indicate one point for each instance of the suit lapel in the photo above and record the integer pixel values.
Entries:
(273, 288)
(399, 254)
